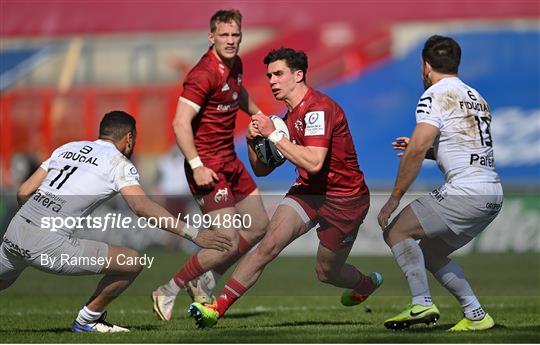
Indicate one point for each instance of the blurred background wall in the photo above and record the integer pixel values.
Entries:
(64, 64)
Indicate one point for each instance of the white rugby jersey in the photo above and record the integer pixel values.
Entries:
(464, 147)
(81, 176)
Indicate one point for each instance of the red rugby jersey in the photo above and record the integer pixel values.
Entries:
(319, 121)
(215, 88)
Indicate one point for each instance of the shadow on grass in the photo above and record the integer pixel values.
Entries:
(303, 323)
(318, 323)
(497, 327)
(144, 328)
(243, 315)
(37, 330)
(422, 329)
(442, 327)
(445, 327)
(68, 330)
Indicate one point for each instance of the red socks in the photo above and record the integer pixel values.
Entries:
(232, 291)
(365, 285)
(243, 247)
(191, 270)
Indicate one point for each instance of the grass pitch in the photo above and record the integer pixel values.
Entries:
(288, 305)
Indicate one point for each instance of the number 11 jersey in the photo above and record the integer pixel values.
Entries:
(81, 175)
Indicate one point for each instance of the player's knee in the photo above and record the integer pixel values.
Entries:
(325, 273)
(133, 265)
(263, 226)
(393, 235)
(433, 260)
(386, 237)
(434, 263)
(268, 250)
(428, 255)
(256, 233)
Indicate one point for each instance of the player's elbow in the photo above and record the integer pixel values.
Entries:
(176, 125)
(261, 172)
(313, 168)
(179, 125)
(420, 145)
(418, 150)
(23, 193)
(21, 198)
(136, 204)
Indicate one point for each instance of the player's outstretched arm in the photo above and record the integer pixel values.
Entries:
(30, 185)
(422, 140)
(143, 206)
(401, 144)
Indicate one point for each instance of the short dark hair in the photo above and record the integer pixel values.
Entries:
(116, 124)
(295, 60)
(225, 16)
(442, 53)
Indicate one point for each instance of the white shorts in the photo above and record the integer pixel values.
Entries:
(25, 244)
(457, 214)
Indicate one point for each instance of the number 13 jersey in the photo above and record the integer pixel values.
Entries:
(464, 147)
(81, 175)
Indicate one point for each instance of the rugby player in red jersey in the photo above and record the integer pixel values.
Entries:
(204, 129)
(329, 192)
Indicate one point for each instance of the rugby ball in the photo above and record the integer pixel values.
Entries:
(266, 151)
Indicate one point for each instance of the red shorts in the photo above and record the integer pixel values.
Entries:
(338, 217)
(235, 183)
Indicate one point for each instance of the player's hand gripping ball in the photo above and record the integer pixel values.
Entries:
(266, 151)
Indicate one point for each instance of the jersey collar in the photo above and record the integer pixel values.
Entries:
(448, 79)
(302, 102)
(106, 143)
(217, 60)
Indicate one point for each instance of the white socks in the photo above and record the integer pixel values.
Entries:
(87, 316)
(453, 279)
(171, 288)
(410, 259)
(210, 279)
